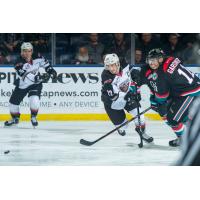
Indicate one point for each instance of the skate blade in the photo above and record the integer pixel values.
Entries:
(148, 142)
(13, 126)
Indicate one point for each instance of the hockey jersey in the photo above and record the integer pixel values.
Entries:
(26, 71)
(171, 80)
(121, 84)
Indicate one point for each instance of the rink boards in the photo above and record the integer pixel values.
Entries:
(75, 95)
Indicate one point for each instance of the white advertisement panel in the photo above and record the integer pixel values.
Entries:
(76, 90)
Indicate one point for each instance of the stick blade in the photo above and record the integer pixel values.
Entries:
(86, 143)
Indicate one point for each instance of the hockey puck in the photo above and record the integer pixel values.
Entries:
(6, 152)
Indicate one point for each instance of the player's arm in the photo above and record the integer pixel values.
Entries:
(180, 75)
(48, 68)
(108, 92)
(19, 69)
(138, 75)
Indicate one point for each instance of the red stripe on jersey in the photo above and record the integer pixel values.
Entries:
(31, 62)
(178, 128)
(133, 84)
(190, 92)
(108, 81)
(166, 63)
(120, 73)
(162, 95)
(147, 73)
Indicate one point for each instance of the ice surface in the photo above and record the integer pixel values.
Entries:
(57, 143)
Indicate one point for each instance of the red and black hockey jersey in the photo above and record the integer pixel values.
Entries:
(170, 80)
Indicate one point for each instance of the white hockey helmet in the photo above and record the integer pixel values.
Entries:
(26, 45)
(111, 59)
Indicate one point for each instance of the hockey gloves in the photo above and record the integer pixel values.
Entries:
(19, 69)
(130, 96)
(135, 76)
(51, 71)
(132, 101)
(44, 78)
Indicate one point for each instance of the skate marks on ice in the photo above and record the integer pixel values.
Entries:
(57, 143)
(153, 146)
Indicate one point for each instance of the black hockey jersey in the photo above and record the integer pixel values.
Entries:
(170, 80)
(119, 84)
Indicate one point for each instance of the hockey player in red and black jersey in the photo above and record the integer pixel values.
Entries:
(173, 89)
(29, 82)
(119, 94)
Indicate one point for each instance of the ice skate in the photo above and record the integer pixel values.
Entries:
(175, 143)
(13, 122)
(145, 137)
(34, 121)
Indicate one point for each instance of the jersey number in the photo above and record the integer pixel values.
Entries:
(181, 72)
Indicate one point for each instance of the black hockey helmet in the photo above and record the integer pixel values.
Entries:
(155, 53)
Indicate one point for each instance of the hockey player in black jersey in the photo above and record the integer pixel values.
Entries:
(173, 89)
(119, 95)
(29, 81)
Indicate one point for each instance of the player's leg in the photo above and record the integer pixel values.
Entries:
(117, 117)
(34, 99)
(15, 100)
(177, 116)
(140, 125)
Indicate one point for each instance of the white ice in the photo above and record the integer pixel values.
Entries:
(57, 143)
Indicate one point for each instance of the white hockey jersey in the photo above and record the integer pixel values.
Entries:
(30, 70)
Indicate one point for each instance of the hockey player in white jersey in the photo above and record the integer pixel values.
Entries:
(29, 82)
(119, 94)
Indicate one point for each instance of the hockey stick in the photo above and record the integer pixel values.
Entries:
(90, 143)
(140, 145)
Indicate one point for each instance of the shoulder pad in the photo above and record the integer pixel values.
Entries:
(107, 77)
(167, 63)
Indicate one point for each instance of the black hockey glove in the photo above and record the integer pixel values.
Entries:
(51, 71)
(135, 76)
(44, 78)
(19, 69)
(131, 101)
(130, 96)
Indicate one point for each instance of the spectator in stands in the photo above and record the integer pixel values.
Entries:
(11, 46)
(173, 47)
(41, 43)
(95, 48)
(3, 54)
(3, 58)
(119, 45)
(146, 43)
(138, 56)
(190, 52)
(82, 57)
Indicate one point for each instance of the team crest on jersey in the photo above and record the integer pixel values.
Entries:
(26, 66)
(153, 76)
